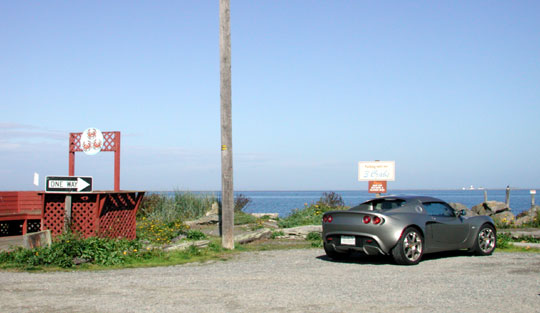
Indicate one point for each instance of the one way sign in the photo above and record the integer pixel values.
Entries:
(68, 184)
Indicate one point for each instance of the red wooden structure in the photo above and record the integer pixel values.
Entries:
(20, 212)
(111, 143)
(104, 214)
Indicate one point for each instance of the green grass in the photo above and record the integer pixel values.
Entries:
(181, 206)
(512, 248)
(241, 218)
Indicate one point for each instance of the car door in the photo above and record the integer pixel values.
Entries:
(447, 230)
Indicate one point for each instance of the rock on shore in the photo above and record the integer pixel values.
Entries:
(527, 217)
(499, 212)
(460, 207)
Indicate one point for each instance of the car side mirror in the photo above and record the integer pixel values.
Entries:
(461, 213)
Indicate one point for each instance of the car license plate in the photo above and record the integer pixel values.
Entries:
(348, 240)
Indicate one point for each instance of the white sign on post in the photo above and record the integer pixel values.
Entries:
(377, 171)
(92, 141)
(65, 184)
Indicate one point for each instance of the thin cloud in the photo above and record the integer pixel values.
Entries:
(7, 146)
(20, 132)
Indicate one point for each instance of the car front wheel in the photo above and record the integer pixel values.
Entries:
(410, 247)
(485, 241)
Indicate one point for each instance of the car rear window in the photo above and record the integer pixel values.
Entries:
(380, 205)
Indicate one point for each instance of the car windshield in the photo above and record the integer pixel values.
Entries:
(379, 205)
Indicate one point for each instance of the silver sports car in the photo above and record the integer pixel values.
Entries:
(406, 228)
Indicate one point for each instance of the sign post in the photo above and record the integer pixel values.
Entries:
(68, 185)
(377, 173)
(67, 215)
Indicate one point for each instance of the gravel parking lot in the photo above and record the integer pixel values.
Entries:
(288, 281)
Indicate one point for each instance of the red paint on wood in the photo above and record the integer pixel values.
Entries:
(16, 209)
(111, 143)
(104, 214)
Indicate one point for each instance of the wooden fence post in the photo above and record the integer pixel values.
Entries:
(507, 196)
(67, 213)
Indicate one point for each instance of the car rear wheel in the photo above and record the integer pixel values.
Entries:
(410, 247)
(333, 254)
(485, 241)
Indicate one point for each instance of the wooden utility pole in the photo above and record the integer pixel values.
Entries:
(227, 194)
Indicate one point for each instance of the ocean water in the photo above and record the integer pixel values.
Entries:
(284, 202)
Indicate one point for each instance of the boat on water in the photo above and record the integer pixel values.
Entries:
(472, 188)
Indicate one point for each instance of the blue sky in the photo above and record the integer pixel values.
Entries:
(448, 90)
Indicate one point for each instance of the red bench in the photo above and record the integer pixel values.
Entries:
(20, 212)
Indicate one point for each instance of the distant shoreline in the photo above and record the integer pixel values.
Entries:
(338, 190)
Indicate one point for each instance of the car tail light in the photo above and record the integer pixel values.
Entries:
(372, 219)
(327, 218)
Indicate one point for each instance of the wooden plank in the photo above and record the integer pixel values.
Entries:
(29, 200)
(13, 216)
(28, 241)
(8, 201)
(17, 201)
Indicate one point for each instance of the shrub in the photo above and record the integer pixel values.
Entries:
(68, 247)
(150, 203)
(312, 214)
(316, 239)
(331, 199)
(277, 233)
(503, 240)
(502, 223)
(195, 235)
(314, 236)
(241, 202)
(535, 223)
(159, 232)
(178, 206)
